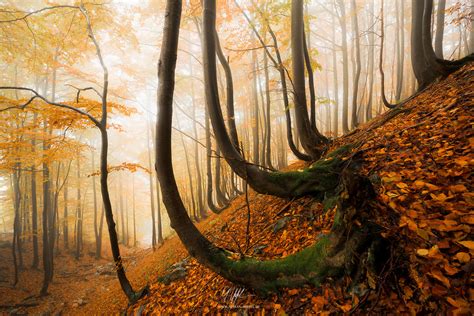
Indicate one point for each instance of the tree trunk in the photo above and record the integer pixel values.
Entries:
(336, 83)
(355, 88)
(401, 47)
(268, 121)
(345, 66)
(310, 139)
(440, 28)
(78, 212)
(152, 199)
(255, 134)
(46, 211)
(371, 56)
(34, 205)
(96, 227)
(423, 72)
(16, 221)
(66, 215)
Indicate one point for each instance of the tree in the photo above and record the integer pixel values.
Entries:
(101, 124)
(311, 265)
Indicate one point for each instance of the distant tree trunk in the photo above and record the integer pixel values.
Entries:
(133, 212)
(159, 224)
(190, 178)
(152, 199)
(121, 210)
(96, 226)
(355, 89)
(34, 206)
(16, 221)
(440, 28)
(255, 134)
(78, 212)
(371, 56)
(336, 83)
(66, 215)
(200, 196)
(210, 202)
(268, 122)
(401, 47)
(345, 66)
(46, 211)
(471, 33)
(127, 226)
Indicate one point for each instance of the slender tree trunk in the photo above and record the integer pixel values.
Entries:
(355, 88)
(371, 56)
(66, 215)
(345, 66)
(78, 212)
(336, 83)
(46, 211)
(440, 28)
(96, 225)
(133, 212)
(16, 221)
(34, 205)
(401, 47)
(268, 121)
(152, 199)
(255, 134)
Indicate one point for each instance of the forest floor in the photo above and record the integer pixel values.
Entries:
(419, 158)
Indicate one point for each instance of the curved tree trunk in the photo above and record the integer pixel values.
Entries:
(229, 93)
(283, 184)
(333, 255)
(311, 140)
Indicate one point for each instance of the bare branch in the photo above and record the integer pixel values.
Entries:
(39, 11)
(39, 96)
(83, 89)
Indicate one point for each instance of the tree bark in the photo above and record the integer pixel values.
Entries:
(345, 66)
(440, 28)
(310, 139)
(34, 205)
(355, 88)
(152, 199)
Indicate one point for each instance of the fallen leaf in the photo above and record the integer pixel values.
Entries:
(463, 257)
(422, 252)
(468, 244)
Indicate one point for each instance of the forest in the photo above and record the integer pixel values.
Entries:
(236, 157)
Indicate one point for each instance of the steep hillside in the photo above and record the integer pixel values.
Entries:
(419, 156)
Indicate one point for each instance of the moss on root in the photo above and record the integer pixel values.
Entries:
(340, 252)
(320, 180)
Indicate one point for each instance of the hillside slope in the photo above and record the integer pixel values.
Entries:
(420, 159)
